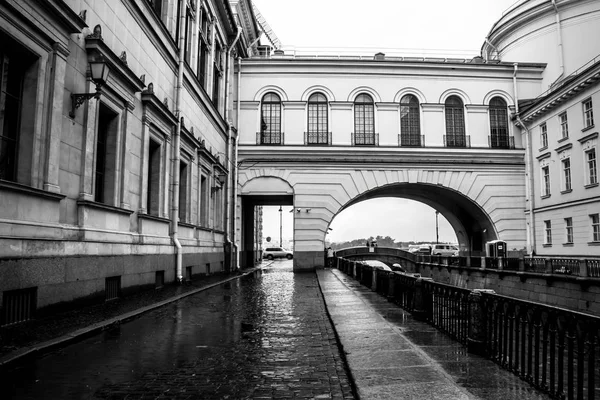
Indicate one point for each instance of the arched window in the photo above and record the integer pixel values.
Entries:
(364, 120)
(455, 123)
(270, 119)
(410, 121)
(499, 124)
(317, 120)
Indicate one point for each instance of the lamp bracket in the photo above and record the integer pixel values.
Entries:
(77, 99)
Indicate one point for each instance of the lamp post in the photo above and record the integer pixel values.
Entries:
(280, 226)
(437, 233)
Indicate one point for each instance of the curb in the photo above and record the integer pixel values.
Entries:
(100, 326)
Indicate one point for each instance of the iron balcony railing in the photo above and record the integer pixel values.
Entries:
(317, 138)
(411, 140)
(365, 139)
(272, 139)
(457, 141)
(501, 142)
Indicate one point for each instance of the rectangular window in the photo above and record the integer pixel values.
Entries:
(202, 58)
(153, 187)
(544, 136)
(564, 125)
(106, 156)
(595, 218)
(203, 201)
(545, 181)
(547, 232)
(568, 230)
(592, 169)
(566, 166)
(218, 67)
(187, 45)
(183, 191)
(588, 114)
(11, 83)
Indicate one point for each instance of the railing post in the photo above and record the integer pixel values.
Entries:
(468, 261)
(483, 262)
(500, 263)
(548, 265)
(353, 266)
(521, 264)
(374, 279)
(391, 285)
(476, 338)
(420, 300)
(583, 271)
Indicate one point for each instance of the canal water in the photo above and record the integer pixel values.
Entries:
(263, 334)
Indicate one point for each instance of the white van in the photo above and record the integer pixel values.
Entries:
(445, 250)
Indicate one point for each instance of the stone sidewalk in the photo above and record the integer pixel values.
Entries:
(392, 356)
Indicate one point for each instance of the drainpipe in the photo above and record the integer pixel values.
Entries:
(560, 44)
(231, 203)
(235, 158)
(528, 164)
(176, 148)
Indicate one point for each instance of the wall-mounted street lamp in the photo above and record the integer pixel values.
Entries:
(280, 227)
(99, 71)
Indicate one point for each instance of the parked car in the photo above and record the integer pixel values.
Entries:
(377, 264)
(445, 250)
(425, 249)
(271, 253)
(398, 268)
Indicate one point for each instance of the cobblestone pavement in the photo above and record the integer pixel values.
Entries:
(259, 337)
(288, 350)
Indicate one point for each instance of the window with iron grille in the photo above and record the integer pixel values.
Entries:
(455, 122)
(592, 170)
(564, 125)
(364, 120)
(410, 121)
(18, 305)
(499, 123)
(595, 219)
(188, 273)
(544, 135)
(159, 279)
(106, 155)
(547, 232)
(317, 119)
(11, 88)
(568, 230)
(566, 166)
(112, 288)
(545, 181)
(588, 113)
(270, 119)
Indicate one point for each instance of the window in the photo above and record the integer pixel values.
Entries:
(153, 189)
(592, 170)
(544, 135)
(595, 219)
(217, 72)
(566, 167)
(364, 120)
(317, 119)
(568, 230)
(564, 125)
(545, 181)
(188, 35)
(203, 201)
(588, 114)
(547, 232)
(106, 156)
(410, 122)
(455, 122)
(270, 119)
(183, 191)
(11, 84)
(499, 124)
(202, 48)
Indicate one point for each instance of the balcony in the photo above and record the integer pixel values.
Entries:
(317, 138)
(365, 139)
(411, 140)
(501, 142)
(270, 138)
(457, 141)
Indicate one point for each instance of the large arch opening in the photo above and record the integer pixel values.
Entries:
(471, 225)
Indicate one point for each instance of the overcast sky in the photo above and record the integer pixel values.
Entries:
(423, 27)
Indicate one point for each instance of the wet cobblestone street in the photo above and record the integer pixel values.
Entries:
(261, 337)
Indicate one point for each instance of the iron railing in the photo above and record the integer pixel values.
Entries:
(364, 139)
(501, 142)
(272, 139)
(317, 138)
(457, 141)
(411, 140)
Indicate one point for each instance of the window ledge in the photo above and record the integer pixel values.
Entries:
(204, 228)
(154, 218)
(543, 148)
(587, 128)
(545, 196)
(547, 245)
(186, 225)
(24, 189)
(568, 244)
(593, 243)
(562, 139)
(102, 206)
(591, 185)
(566, 191)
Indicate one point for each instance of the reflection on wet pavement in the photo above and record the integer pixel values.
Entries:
(263, 336)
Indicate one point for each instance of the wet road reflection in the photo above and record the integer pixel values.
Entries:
(263, 334)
